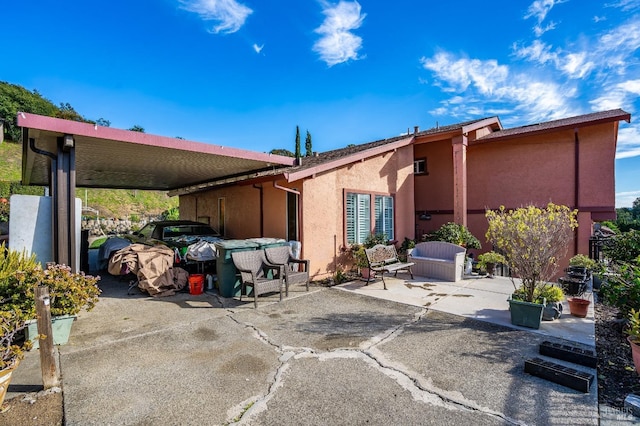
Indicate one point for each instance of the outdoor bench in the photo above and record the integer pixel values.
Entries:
(383, 259)
(438, 259)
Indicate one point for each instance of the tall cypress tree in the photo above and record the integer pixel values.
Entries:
(298, 155)
(307, 145)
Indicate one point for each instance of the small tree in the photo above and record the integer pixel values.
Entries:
(298, 155)
(532, 240)
(307, 145)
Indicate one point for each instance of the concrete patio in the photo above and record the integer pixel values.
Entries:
(328, 356)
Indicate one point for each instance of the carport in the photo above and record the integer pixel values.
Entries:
(62, 155)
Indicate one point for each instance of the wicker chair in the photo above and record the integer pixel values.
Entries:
(254, 272)
(296, 271)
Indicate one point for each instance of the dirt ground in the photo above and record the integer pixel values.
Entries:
(41, 409)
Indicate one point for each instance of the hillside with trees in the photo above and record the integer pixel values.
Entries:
(123, 204)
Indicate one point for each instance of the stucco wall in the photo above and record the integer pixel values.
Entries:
(242, 210)
(321, 203)
(323, 208)
(434, 191)
(514, 172)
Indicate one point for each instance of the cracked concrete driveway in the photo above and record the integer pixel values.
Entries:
(322, 357)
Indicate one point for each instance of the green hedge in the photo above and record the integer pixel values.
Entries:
(7, 189)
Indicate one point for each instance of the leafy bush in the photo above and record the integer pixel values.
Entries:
(19, 275)
(11, 322)
(532, 239)
(454, 233)
(543, 293)
(622, 289)
(584, 261)
(623, 248)
(490, 257)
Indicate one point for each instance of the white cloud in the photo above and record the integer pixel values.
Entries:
(337, 43)
(576, 65)
(257, 48)
(628, 142)
(482, 87)
(230, 14)
(597, 19)
(625, 5)
(620, 95)
(538, 51)
(626, 199)
(539, 9)
(538, 30)
(486, 76)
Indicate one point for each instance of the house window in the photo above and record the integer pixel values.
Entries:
(420, 166)
(361, 215)
(358, 217)
(384, 216)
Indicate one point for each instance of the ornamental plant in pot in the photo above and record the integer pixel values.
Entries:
(634, 337)
(488, 261)
(11, 323)
(70, 292)
(532, 240)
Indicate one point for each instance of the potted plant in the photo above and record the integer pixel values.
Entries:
(12, 314)
(70, 293)
(406, 248)
(532, 240)
(634, 337)
(488, 261)
(11, 323)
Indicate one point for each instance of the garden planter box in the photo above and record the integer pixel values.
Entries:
(525, 314)
(61, 327)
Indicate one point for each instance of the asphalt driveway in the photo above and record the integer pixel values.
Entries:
(321, 357)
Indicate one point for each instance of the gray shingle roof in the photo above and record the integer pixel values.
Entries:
(565, 123)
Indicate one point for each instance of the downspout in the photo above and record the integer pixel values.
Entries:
(52, 192)
(261, 209)
(576, 189)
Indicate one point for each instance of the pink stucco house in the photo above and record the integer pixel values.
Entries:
(409, 185)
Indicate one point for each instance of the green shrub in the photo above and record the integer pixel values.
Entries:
(456, 234)
(544, 293)
(622, 289)
(623, 248)
(490, 257)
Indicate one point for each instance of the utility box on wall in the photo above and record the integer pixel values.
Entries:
(31, 226)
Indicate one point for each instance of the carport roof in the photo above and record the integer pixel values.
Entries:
(113, 158)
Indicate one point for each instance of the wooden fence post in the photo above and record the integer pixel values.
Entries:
(48, 365)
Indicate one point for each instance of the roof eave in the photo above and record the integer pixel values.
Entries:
(350, 159)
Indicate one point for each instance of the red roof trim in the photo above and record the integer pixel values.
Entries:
(358, 156)
(40, 122)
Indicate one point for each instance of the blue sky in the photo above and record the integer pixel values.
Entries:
(244, 73)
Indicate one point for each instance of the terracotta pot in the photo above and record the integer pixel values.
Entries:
(578, 307)
(635, 352)
(5, 379)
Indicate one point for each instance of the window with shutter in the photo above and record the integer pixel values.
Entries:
(359, 217)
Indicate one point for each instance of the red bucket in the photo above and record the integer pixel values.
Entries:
(196, 283)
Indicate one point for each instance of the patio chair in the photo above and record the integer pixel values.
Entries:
(257, 273)
(296, 271)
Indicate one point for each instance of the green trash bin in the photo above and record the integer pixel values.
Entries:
(229, 283)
